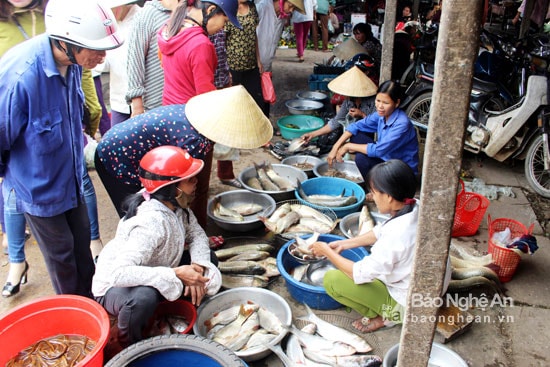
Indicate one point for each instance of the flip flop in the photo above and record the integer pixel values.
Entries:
(232, 182)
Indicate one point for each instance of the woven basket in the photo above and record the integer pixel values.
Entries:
(469, 211)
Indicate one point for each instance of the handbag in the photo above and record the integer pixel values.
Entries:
(268, 91)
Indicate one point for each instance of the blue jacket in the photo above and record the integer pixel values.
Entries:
(41, 141)
(396, 138)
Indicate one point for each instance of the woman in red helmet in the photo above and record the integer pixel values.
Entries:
(160, 252)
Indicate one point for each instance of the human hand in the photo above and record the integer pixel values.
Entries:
(196, 293)
(191, 275)
(336, 246)
(356, 112)
(307, 137)
(137, 107)
(320, 248)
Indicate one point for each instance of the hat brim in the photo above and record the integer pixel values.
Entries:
(353, 83)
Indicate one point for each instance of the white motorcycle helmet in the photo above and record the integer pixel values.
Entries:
(86, 23)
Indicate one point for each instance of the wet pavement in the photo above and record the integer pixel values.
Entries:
(501, 334)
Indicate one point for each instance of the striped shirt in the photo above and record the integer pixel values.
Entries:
(145, 74)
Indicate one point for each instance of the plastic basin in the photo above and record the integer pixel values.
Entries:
(294, 126)
(439, 356)
(314, 296)
(49, 316)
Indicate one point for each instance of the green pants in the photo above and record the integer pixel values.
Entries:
(369, 299)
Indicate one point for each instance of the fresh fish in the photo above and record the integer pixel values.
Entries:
(294, 351)
(255, 183)
(306, 211)
(298, 229)
(282, 223)
(315, 225)
(270, 265)
(178, 324)
(210, 334)
(236, 281)
(280, 212)
(241, 267)
(356, 360)
(327, 200)
(248, 328)
(228, 332)
(299, 272)
(221, 211)
(266, 182)
(303, 244)
(270, 321)
(250, 255)
(482, 271)
(259, 339)
(464, 285)
(283, 183)
(296, 145)
(366, 223)
(318, 344)
(335, 333)
(247, 209)
(465, 259)
(236, 250)
(228, 315)
(282, 356)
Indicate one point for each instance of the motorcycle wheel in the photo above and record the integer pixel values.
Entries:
(537, 177)
(419, 110)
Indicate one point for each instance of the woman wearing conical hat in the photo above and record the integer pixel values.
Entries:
(359, 91)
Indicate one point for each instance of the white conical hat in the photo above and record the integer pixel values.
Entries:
(353, 83)
(231, 117)
(349, 48)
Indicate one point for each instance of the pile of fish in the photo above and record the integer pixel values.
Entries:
(236, 212)
(298, 219)
(328, 200)
(471, 271)
(244, 327)
(266, 179)
(300, 249)
(333, 172)
(247, 265)
(168, 324)
(321, 343)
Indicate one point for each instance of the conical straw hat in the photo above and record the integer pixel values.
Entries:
(230, 117)
(347, 49)
(353, 83)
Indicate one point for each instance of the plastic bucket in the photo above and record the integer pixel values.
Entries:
(49, 316)
(469, 212)
(178, 307)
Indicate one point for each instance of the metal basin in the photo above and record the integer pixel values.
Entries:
(345, 169)
(349, 225)
(304, 162)
(290, 173)
(312, 95)
(232, 297)
(303, 106)
(231, 199)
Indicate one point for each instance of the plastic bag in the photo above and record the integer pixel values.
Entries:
(268, 91)
(89, 151)
(225, 153)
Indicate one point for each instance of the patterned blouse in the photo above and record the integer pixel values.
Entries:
(123, 146)
(241, 43)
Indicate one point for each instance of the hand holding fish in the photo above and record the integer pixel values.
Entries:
(321, 248)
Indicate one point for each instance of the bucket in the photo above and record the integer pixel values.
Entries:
(178, 307)
(45, 317)
(439, 356)
(469, 212)
(176, 350)
(507, 259)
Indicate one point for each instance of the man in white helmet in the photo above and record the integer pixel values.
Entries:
(41, 141)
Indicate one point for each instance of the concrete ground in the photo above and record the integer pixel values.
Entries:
(500, 336)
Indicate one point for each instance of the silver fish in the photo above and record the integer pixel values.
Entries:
(221, 211)
(266, 182)
(241, 267)
(356, 360)
(255, 183)
(303, 244)
(482, 271)
(306, 211)
(463, 285)
(227, 334)
(366, 223)
(282, 356)
(335, 333)
(327, 200)
(248, 328)
(238, 280)
(236, 250)
(294, 351)
(315, 225)
(296, 145)
(280, 212)
(318, 344)
(299, 272)
(259, 339)
(282, 223)
(270, 321)
(250, 255)
(270, 265)
(228, 315)
(283, 183)
(178, 324)
(247, 209)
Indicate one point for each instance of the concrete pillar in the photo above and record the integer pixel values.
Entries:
(456, 51)
(387, 47)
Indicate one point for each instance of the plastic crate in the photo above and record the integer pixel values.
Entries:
(325, 69)
(320, 81)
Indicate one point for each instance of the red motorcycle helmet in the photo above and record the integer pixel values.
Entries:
(165, 165)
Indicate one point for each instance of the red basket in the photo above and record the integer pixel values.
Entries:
(507, 259)
(469, 211)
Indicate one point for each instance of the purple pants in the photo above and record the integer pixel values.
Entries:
(301, 31)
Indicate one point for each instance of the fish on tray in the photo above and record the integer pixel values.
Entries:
(327, 200)
(298, 219)
(226, 253)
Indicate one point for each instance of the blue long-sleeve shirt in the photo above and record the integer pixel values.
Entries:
(41, 141)
(396, 137)
(123, 146)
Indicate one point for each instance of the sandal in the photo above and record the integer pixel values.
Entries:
(232, 182)
(366, 325)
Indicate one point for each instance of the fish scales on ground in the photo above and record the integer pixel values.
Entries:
(237, 250)
(327, 200)
(241, 267)
(230, 281)
(335, 333)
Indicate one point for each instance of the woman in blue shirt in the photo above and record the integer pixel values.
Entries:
(396, 135)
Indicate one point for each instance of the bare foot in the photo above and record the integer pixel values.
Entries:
(366, 325)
